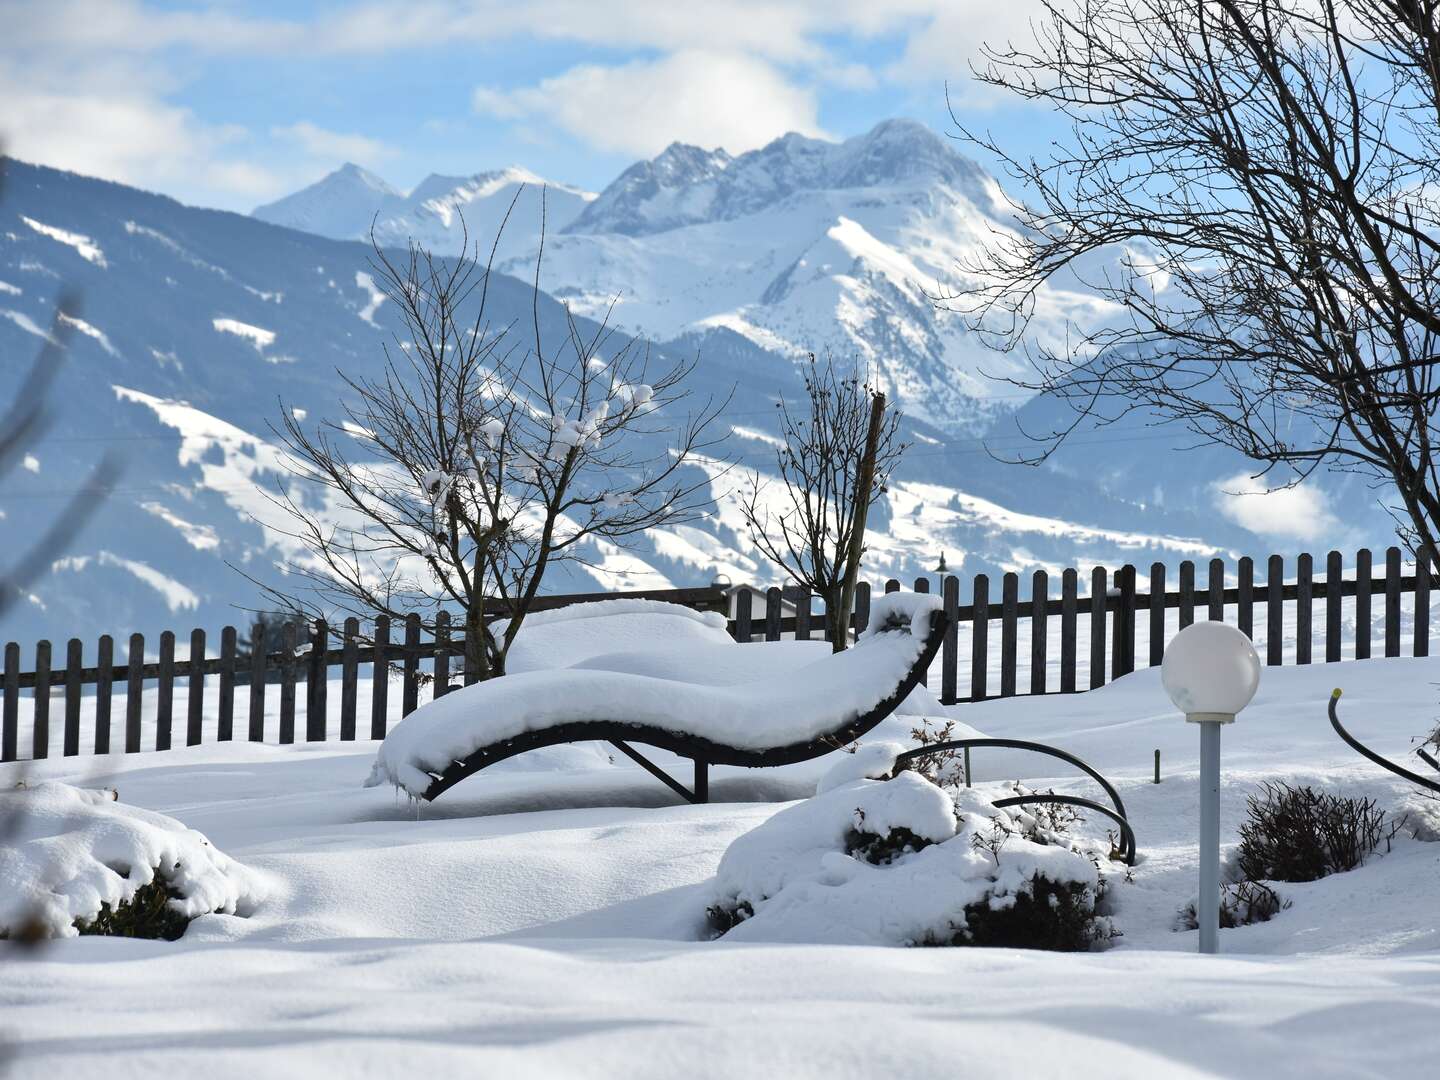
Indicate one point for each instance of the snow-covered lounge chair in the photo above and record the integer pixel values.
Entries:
(810, 711)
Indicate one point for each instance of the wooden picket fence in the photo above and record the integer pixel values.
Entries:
(1104, 619)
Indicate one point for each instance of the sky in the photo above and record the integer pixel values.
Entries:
(231, 104)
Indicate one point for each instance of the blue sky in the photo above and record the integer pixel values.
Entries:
(232, 104)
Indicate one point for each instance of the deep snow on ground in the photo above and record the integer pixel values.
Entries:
(545, 918)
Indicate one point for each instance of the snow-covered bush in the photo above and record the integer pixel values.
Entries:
(77, 861)
(1242, 903)
(902, 862)
(1300, 834)
(1421, 816)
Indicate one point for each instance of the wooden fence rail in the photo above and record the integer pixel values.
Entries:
(1108, 615)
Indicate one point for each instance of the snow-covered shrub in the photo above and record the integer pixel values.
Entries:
(944, 768)
(77, 861)
(1242, 903)
(901, 862)
(1300, 834)
(1421, 816)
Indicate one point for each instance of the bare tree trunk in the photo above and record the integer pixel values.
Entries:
(863, 487)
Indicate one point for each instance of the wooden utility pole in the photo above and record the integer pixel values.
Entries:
(863, 484)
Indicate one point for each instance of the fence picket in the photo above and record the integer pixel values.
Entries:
(1274, 611)
(979, 634)
(1099, 594)
(1157, 613)
(1364, 583)
(773, 600)
(1423, 562)
(40, 729)
(1215, 602)
(104, 676)
(1245, 589)
(950, 647)
(259, 648)
(225, 729)
(317, 683)
(1304, 624)
(1039, 627)
(195, 694)
(743, 616)
(287, 683)
(1187, 593)
(1334, 574)
(10, 718)
(1122, 638)
(862, 606)
(1069, 587)
(410, 687)
(74, 661)
(349, 677)
(442, 657)
(802, 617)
(1009, 632)
(165, 694)
(1392, 601)
(380, 679)
(134, 687)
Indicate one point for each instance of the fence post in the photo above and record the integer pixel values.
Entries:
(380, 679)
(40, 732)
(802, 614)
(861, 615)
(1039, 629)
(1424, 559)
(1099, 601)
(1215, 609)
(441, 669)
(317, 698)
(1364, 585)
(1334, 588)
(259, 647)
(950, 647)
(195, 695)
(165, 695)
(74, 661)
(410, 689)
(104, 676)
(349, 678)
(10, 724)
(1275, 611)
(1157, 614)
(979, 631)
(1392, 601)
(1009, 632)
(772, 613)
(1304, 622)
(1187, 593)
(1245, 592)
(134, 686)
(225, 729)
(287, 683)
(1069, 604)
(892, 586)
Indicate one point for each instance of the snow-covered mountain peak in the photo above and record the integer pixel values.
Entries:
(333, 203)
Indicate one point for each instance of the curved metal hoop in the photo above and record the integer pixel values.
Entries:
(1038, 748)
(1127, 834)
(1384, 763)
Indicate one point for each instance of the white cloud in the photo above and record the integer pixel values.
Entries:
(709, 99)
(1301, 513)
(320, 143)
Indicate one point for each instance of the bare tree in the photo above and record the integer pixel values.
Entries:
(807, 529)
(481, 458)
(1262, 177)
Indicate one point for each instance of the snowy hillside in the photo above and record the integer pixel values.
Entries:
(197, 323)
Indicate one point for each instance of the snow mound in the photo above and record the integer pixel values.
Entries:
(69, 850)
(568, 636)
(809, 702)
(791, 879)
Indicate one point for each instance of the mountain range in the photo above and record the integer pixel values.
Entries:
(199, 326)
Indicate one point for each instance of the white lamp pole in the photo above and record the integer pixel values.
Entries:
(1211, 672)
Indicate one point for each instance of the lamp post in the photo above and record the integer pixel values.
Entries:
(1211, 672)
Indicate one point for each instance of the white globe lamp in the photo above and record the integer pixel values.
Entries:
(1211, 672)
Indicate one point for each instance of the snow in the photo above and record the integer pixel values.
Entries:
(257, 336)
(373, 296)
(549, 920)
(69, 850)
(30, 463)
(90, 331)
(83, 245)
(13, 290)
(812, 701)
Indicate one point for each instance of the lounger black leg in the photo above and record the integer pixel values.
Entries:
(702, 780)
